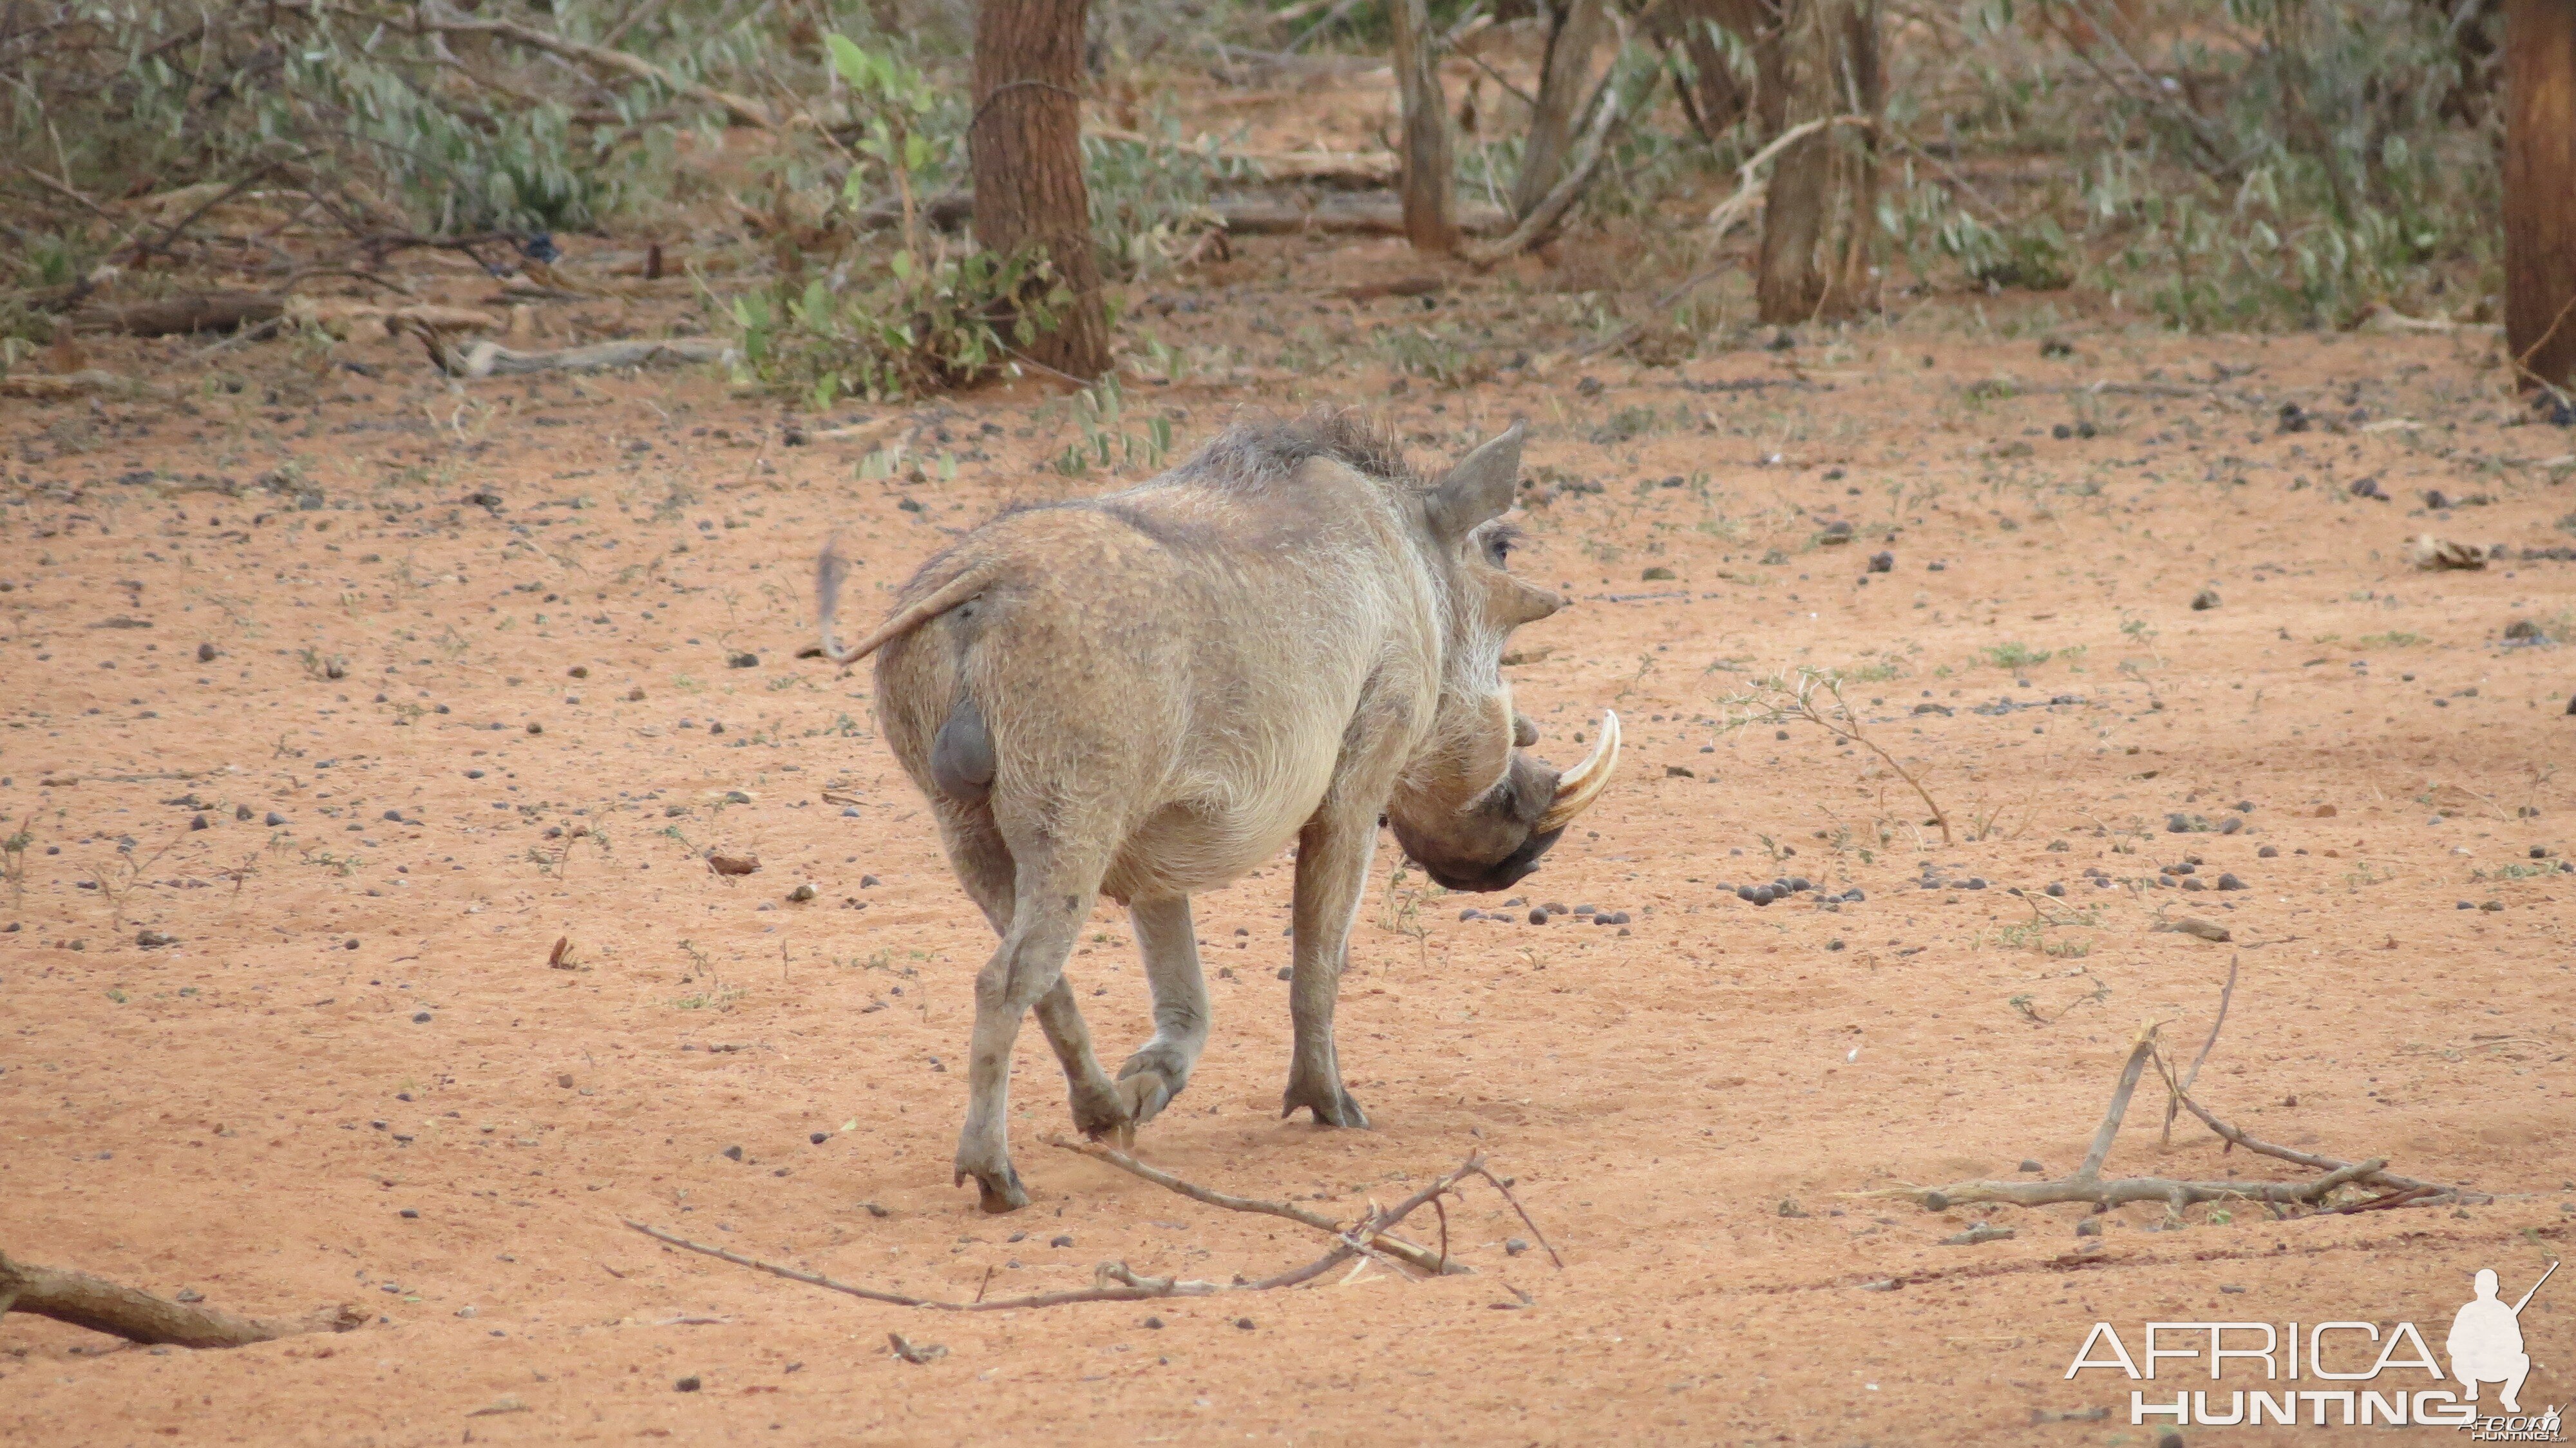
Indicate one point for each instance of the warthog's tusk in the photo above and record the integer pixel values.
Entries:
(1579, 786)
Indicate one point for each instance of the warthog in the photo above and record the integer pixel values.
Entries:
(1290, 636)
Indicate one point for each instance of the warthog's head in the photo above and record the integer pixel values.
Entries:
(1472, 808)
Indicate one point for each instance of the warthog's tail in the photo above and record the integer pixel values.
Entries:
(831, 569)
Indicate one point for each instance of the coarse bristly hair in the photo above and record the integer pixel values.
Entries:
(1263, 450)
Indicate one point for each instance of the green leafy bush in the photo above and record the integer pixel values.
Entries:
(903, 326)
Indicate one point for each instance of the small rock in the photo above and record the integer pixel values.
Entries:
(1789, 1207)
(733, 1153)
(411, 1214)
(2205, 600)
(207, 653)
(1882, 562)
(420, 1018)
(2030, 1165)
(1537, 917)
(2230, 882)
(154, 939)
(2268, 852)
(818, 1138)
(689, 1384)
(801, 893)
(579, 671)
(274, 819)
(742, 661)
(1063, 1241)
(564, 1080)
(733, 864)
(874, 1210)
(1286, 972)
(1514, 1246)
(1244, 1322)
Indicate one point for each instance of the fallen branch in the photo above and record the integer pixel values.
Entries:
(1371, 1238)
(205, 312)
(485, 358)
(137, 1316)
(1419, 1256)
(61, 386)
(1360, 213)
(2173, 1099)
(2087, 1184)
(1111, 1281)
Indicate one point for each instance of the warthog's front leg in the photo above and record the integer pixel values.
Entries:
(1161, 1067)
(1045, 918)
(1332, 867)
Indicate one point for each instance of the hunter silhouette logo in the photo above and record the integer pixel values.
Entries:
(2362, 1375)
(2486, 1341)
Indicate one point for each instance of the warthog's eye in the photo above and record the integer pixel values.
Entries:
(1498, 547)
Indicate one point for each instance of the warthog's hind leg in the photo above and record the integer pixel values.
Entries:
(1098, 1109)
(1161, 1066)
(1332, 867)
(1047, 909)
(984, 866)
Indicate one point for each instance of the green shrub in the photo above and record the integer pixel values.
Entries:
(904, 326)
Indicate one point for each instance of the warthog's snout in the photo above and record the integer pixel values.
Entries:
(1499, 837)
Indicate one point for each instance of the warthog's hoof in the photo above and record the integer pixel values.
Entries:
(996, 1192)
(1101, 1112)
(1331, 1104)
(1144, 1091)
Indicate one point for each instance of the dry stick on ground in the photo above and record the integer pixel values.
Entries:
(1111, 1281)
(2173, 1098)
(2087, 1184)
(102, 1306)
(1422, 1257)
(1370, 1238)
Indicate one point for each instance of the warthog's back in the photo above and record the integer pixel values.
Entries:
(1185, 657)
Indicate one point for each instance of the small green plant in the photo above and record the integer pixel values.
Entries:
(1105, 441)
(13, 862)
(2013, 654)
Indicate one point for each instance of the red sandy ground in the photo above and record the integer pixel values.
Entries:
(358, 1021)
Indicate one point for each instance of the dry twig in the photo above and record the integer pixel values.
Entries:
(1371, 1238)
(1419, 1256)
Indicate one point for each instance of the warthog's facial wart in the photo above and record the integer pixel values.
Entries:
(1473, 809)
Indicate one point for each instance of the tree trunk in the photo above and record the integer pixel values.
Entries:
(1563, 84)
(1820, 222)
(1026, 148)
(1430, 169)
(1715, 96)
(2540, 190)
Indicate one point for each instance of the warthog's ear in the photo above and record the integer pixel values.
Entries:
(1478, 488)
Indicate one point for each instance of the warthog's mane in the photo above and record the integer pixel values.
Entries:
(1252, 455)
(1267, 450)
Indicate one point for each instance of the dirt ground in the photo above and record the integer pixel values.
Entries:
(365, 688)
